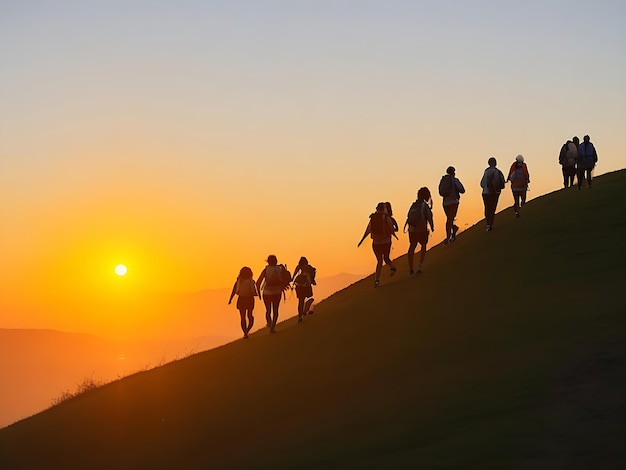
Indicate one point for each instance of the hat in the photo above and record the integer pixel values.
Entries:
(519, 159)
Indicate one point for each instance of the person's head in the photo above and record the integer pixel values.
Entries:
(272, 260)
(450, 171)
(492, 161)
(245, 273)
(586, 138)
(423, 194)
(303, 261)
(519, 159)
(381, 206)
(576, 140)
(388, 208)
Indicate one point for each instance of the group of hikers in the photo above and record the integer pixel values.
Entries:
(575, 158)
(271, 285)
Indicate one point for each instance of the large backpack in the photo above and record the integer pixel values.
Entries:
(416, 218)
(379, 224)
(280, 277)
(306, 277)
(518, 178)
(494, 182)
(246, 288)
(445, 185)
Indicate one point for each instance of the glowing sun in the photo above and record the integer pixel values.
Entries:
(120, 270)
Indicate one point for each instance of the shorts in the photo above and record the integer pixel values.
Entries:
(302, 292)
(382, 248)
(418, 237)
(245, 303)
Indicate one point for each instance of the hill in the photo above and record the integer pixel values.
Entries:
(507, 352)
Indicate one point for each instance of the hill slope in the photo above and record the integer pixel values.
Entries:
(507, 352)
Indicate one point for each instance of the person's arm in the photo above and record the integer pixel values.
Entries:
(392, 227)
(232, 294)
(430, 220)
(260, 280)
(459, 186)
(368, 230)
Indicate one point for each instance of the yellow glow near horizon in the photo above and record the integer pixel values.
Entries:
(121, 270)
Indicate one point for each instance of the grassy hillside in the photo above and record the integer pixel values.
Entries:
(507, 352)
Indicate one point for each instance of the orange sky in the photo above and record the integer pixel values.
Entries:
(163, 140)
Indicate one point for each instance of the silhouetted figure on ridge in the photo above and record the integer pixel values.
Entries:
(567, 158)
(420, 215)
(492, 183)
(304, 280)
(277, 279)
(246, 290)
(587, 159)
(450, 188)
(519, 178)
(381, 228)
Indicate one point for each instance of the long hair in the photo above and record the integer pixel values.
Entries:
(245, 273)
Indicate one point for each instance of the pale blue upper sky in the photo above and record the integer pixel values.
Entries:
(193, 103)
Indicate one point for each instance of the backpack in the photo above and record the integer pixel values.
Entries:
(494, 185)
(379, 226)
(416, 217)
(306, 277)
(518, 178)
(246, 288)
(281, 277)
(445, 185)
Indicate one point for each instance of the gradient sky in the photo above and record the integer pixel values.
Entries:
(189, 138)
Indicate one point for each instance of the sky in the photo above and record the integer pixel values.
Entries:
(188, 139)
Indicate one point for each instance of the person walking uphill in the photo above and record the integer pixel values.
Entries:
(418, 218)
(277, 279)
(492, 183)
(246, 289)
(567, 158)
(519, 178)
(587, 159)
(450, 188)
(381, 228)
(304, 280)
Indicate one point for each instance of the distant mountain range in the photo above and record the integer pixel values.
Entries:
(37, 366)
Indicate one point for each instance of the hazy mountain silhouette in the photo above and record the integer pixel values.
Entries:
(507, 352)
(37, 366)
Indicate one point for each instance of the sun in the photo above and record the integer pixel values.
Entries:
(120, 270)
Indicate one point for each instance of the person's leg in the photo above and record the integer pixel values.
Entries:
(580, 175)
(267, 300)
(589, 177)
(523, 197)
(301, 311)
(516, 197)
(275, 305)
(387, 259)
(250, 320)
(411, 253)
(379, 262)
(486, 207)
(244, 327)
(565, 176)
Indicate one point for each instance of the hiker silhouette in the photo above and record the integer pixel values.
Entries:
(304, 280)
(519, 178)
(450, 188)
(246, 290)
(272, 289)
(492, 183)
(419, 217)
(567, 158)
(587, 159)
(380, 227)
